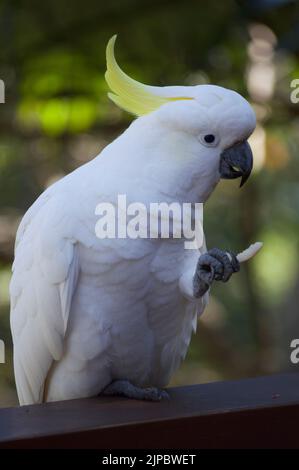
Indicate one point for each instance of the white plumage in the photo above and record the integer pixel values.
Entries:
(85, 311)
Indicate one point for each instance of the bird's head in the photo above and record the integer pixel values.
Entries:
(203, 129)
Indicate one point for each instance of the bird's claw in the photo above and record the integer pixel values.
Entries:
(155, 394)
(127, 389)
(216, 265)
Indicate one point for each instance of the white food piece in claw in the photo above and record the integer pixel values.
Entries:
(249, 252)
(245, 255)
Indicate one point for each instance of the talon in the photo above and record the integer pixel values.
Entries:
(216, 265)
(126, 389)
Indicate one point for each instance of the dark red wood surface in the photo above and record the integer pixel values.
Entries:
(259, 412)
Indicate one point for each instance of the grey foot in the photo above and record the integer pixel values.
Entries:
(126, 389)
(216, 265)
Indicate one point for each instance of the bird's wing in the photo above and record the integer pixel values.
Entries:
(45, 273)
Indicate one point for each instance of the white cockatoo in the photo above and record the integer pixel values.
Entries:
(115, 316)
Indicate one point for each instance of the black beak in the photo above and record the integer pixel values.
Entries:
(236, 162)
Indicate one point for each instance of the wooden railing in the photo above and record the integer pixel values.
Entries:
(250, 413)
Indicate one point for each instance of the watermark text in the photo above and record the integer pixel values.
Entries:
(156, 220)
(2, 352)
(294, 357)
(2, 91)
(294, 97)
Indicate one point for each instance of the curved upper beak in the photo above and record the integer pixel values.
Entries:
(236, 161)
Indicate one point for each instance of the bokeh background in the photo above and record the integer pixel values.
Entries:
(57, 117)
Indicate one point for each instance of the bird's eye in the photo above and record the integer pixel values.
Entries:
(209, 140)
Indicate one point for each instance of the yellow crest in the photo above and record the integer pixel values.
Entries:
(130, 95)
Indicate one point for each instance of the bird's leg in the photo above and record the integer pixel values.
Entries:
(126, 389)
(216, 265)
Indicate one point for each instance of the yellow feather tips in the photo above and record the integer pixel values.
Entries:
(128, 94)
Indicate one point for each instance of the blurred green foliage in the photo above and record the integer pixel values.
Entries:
(57, 116)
